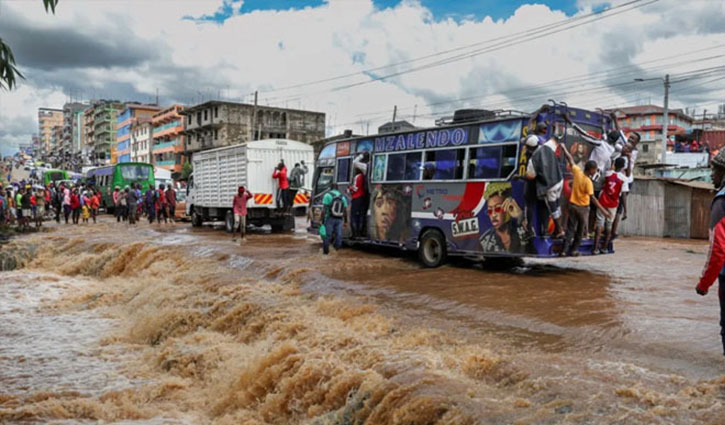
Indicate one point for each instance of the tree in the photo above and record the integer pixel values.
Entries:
(8, 71)
(186, 171)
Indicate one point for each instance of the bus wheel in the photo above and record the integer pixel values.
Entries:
(432, 249)
(196, 220)
(229, 221)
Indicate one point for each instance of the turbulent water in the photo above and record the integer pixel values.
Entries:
(160, 325)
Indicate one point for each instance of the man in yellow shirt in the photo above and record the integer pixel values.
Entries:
(582, 195)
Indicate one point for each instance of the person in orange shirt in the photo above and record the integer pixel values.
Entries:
(582, 195)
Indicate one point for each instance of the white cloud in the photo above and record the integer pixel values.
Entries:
(265, 50)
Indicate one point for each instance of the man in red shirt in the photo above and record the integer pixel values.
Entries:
(716, 256)
(162, 211)
(280, 173)
(609, 199)
(239, 206)
(359, 207)
(171, 202)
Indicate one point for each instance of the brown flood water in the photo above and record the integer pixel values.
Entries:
(169, 324)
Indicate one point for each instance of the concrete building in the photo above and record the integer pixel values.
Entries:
(168, 138)
(70, 110)
(395, 126)
(99, 129)
(216, 124)
(48, 118)
(141, 140)
(124, 122)
(647, 121)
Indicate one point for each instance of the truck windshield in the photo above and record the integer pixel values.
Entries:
(324, 180)
(135, 172)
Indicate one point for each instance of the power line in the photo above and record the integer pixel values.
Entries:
(526, 36)
(444, 52)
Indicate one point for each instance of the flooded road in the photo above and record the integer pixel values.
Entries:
(169, 324)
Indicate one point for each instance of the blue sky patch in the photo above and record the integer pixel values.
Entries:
(441, 9)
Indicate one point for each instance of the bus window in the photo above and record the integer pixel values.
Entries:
(379, 168)
(343, 170)
(404, 166)
(135, 172)
(328, 151)
(444, 164)
(492, 162)
(324, 180)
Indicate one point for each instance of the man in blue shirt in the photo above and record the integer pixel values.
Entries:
(335, 211)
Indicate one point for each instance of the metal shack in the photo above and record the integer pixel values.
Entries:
(669, 208)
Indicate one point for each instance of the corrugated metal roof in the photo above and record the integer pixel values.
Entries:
(693, 184)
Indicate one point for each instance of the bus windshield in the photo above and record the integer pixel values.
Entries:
(135, 172)
(54, 176)
(324, 181)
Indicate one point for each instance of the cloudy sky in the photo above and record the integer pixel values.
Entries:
(356, 59)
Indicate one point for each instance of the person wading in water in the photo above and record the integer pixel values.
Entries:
(716, 257)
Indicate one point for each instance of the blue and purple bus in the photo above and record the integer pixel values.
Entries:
(457, 188)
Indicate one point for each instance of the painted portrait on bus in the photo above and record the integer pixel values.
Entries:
(390, 213)
(506, 232)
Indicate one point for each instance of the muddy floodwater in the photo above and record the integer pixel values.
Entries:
(176, 325)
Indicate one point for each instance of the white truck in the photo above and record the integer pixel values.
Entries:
(219, 172)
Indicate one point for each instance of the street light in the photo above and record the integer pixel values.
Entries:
(665, 116)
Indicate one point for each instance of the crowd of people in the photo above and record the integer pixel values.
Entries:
(597, 192)
(24, 205)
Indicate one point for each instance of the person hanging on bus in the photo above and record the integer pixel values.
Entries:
(609, 199)
(531, 201)
(359, 208)
(544, 168)
(582, 195)
(296, 180)
(630, 153)
(280, 173)
(336, 213)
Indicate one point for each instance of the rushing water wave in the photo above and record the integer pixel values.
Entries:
(147, 326)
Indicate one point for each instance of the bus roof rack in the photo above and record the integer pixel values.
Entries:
(471, 115)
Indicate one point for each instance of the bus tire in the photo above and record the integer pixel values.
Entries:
(432, 249)
(196, 219)
(229, 221)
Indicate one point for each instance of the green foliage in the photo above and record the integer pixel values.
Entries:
(8, 71)
(186, 171)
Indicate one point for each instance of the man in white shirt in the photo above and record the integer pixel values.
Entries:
(630, 153)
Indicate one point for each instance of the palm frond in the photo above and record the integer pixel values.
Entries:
(8, 71)
(50, 5)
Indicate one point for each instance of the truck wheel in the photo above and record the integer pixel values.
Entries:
(432, 249)
(196, 219)
(229, 221)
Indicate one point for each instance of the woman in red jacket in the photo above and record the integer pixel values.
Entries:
(75, 205)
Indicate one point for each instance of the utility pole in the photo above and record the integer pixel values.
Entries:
(254, 117)
(666, 119)
(395, 112)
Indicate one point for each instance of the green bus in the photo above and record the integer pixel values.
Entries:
(124, 174)
(53, 176)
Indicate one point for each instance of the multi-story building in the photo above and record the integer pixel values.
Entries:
(70, 111)
(48, 118)
(168, 138)
(141, 140)
(99, 130)
(123, 125)
(647, 121)
(56, 153)
(215, 124)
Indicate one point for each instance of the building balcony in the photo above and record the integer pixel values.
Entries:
(166, 163)
(165, 145)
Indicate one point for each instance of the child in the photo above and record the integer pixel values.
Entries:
(609, 199)
(86, 201)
